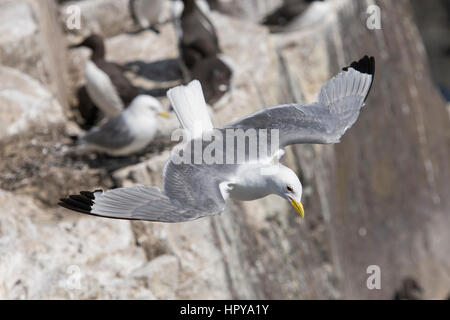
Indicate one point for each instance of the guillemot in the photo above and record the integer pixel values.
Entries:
(216, 77)
(201, 53)
(198, 39)
(146, 13)
(106, 83)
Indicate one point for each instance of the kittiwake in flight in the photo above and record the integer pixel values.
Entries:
(129, 132)
(191, 191)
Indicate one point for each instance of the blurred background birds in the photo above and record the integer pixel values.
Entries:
(106, 83)
(200, 51)
(128, 132)
(146, 14)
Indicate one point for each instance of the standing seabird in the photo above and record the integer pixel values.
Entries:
(198, 35)
(200, 52)
(195, 189)
(146, 13)
(106, 83)
(129, 132)
(215, 76)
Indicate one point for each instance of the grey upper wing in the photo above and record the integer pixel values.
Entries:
(114, 134)
(197, 186)
(325, 121)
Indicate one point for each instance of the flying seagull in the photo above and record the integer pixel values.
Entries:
(191, 191)
(129, 132)
(106, 83)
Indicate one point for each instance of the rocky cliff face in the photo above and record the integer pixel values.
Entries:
(380, 197)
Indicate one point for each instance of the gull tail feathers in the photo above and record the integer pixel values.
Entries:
(190, 107)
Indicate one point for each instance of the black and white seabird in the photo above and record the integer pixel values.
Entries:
(215, 76)
(201, 53)
(106, 83)
(198, 39)
(146, 13)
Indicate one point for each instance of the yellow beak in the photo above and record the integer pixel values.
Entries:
(299, 207)
(164, 114)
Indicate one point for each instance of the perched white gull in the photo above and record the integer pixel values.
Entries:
(129, 132)
(106, 83)
(191, 191)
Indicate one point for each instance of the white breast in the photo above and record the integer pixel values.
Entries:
(250, 183)
(102, 91)
(148, 12)
(143, 129)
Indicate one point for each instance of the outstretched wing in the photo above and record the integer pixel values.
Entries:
(325, 121)
(197, 186)
(190, 192)
(132, 203)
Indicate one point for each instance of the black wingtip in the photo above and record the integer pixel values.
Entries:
(364, 65)
(79, 202)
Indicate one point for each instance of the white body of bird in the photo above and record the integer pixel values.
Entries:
(129, 132)
(147, 12)
(101, 90)
(250, 184)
